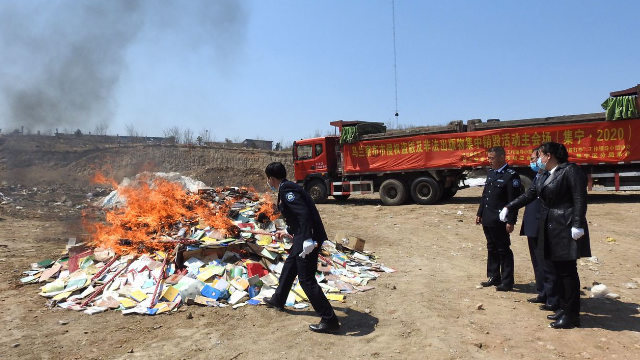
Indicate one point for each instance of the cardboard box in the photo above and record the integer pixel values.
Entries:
(342, 239)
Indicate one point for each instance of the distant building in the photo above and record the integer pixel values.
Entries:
(258, 144)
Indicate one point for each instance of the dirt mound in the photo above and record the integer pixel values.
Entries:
(49, 160)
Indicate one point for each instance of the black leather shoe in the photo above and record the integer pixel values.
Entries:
(548, 307)
(565, 322)
(557, 315)
(537, 300)
(272, 304)
(502, 287)
(325, 327)
(493, 281)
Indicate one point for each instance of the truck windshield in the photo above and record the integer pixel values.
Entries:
(304, 152)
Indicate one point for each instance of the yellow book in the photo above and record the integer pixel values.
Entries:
(127, 303)
(240, 283)
(335, 297)
(300, 293)
(138, 295)
(170, 293)
(264, 240)
(162, 307)
(205, 275)
(62, 296)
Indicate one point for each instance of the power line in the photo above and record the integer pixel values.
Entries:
(395, 71)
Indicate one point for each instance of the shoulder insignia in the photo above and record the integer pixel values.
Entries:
(290, 196)
(516, 183)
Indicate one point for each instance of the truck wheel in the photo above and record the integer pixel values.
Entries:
(392, 192)
(317, 191)
(425, 191)
(341, 198)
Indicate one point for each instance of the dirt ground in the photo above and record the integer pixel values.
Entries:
(428, 309)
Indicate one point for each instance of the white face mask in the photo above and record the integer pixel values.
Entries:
(271, 186)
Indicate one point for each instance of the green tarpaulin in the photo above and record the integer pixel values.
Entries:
(621, 107)
(351, 134)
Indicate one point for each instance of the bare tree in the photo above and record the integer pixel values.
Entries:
(101, 128)
(173, 132)
(131, 130)
(187, 136)
(204, 135)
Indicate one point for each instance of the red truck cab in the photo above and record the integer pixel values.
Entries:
(315, 162)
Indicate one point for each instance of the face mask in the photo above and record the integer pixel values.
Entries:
(271, 187)
(534, 166)
(540, 164)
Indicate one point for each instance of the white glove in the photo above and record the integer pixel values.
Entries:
(307, 247)
(503, 214)
(576, 233)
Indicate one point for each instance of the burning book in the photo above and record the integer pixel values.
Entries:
(163, 245)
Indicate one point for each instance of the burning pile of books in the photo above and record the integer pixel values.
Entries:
(162, 245)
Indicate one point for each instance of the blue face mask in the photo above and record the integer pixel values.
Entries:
(540, 164)
(534, 166)
(271, 187)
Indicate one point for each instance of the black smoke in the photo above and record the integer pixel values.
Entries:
(61, 60)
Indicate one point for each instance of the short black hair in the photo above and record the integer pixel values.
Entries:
(276, 170)
(558, 151)
(498, 150)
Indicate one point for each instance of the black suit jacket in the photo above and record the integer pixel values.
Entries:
(531, 215)
(300, 213)
(500, 188)
(563, 205)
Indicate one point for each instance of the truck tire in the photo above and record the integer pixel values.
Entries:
(425, 191)
(318, 191)
(393, 192)
(341, 198)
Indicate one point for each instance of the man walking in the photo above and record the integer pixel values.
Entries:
(305, 225)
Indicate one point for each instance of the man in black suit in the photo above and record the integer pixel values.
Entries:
(502, 186)
(305, 224)
(542, 268)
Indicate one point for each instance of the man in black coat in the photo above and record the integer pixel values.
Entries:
(305, 224)
(542, 268)
(502, 186)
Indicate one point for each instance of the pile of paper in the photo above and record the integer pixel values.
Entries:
(97, 280)
(204, 266)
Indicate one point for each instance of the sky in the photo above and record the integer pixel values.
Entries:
(282, 70)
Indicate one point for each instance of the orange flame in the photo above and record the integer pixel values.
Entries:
(100, 178)
(268, 207)
(154, 208)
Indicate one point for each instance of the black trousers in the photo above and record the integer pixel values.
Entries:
(499, 254)
(305, 268)
(544, 272)
(538, 271)
(568, 285)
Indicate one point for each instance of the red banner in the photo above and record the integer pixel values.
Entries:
(588, 143)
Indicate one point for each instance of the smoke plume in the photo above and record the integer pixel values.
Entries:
(62, 59)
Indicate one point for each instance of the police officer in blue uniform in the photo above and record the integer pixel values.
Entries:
(305, 224)
(502, 186)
